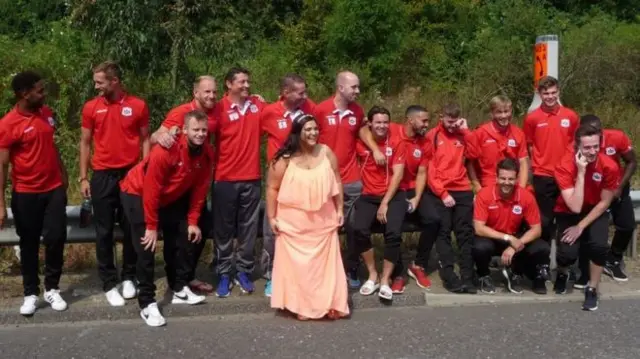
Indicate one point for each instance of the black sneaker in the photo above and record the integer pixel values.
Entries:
(562, 281)
(539, 285)
(582, 282)
(614, 270)
(452, 283)
(470, 286)
(590, 299)
(543, 270)
(512, 281)
(486, 285)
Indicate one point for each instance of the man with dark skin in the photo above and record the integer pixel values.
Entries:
(39, 183)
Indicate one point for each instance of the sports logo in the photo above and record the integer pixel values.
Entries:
(517, 210)
(565, 123)
(417, 153)
(610, 151)
(127, 111)
(352, 121)
(389, 151)
(596, 177)
(331, 120)
(282, 124)
(511, 142)
(253, 108)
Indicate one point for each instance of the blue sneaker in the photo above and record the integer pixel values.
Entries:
(245, 283)
(224, 286)
(267, 289)
(353, 280)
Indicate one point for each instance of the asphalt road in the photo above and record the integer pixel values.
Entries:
(511, 331)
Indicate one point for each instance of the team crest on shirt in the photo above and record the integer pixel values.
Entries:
(233, 116)
(331, 120)
(389, 151)
(253, 108)
(596, 177)
(417, 153)
(610, 151)
(352, 121)
(52, 122)
(517, 209)
(282, 124)
(565, 123)
(511, 142)
(127, 111)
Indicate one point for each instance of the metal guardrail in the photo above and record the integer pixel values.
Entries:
(75, 234)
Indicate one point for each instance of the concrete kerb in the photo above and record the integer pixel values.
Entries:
(254, 304)
(260, 305)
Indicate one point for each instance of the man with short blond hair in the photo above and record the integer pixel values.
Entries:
(117, 124)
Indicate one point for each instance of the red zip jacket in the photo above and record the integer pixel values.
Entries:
(167, 174)
(447, 171)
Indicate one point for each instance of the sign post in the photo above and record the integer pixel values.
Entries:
(545, 63)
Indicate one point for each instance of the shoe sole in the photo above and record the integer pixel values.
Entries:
(590, 309)
(609, 272)
(579, 286)
(410, 273)
(398, 291)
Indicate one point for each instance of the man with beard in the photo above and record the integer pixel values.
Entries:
(617, 145)
(421, 202)
(39, 182)
(381, 200)
(548, 131)
(341, 122)
(500, 210)
(167, 190)
(447, 179)
(587, 180)
(237, 186)
(496, 140)
(276, 121)
(204, 98)
(118, 125)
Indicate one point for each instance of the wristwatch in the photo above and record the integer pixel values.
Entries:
(506, 238)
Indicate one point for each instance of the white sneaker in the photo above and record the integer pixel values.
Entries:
(53, 297)
(114, 298)
(151, 315)
(29, 305)
(186, 296)
(129, 290)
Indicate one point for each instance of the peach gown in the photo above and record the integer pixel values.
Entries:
(308, 276)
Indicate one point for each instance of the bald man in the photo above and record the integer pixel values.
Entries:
(341, 122)
(204, 98)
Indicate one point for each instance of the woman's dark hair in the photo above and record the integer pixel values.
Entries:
(292, 144)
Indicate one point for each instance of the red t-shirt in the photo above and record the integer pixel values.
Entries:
(376, 179)
(615, 143)
(116, 130)
(166, 175)
(416, 155)
(549, 132)
(446, 153)
(600, 175)
(276, 123)
(35, 167)
(490, 145)
(237, 138)
(340, 131)
(505, 215)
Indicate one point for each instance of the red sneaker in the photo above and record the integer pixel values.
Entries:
(419, 275)
(398, 285)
